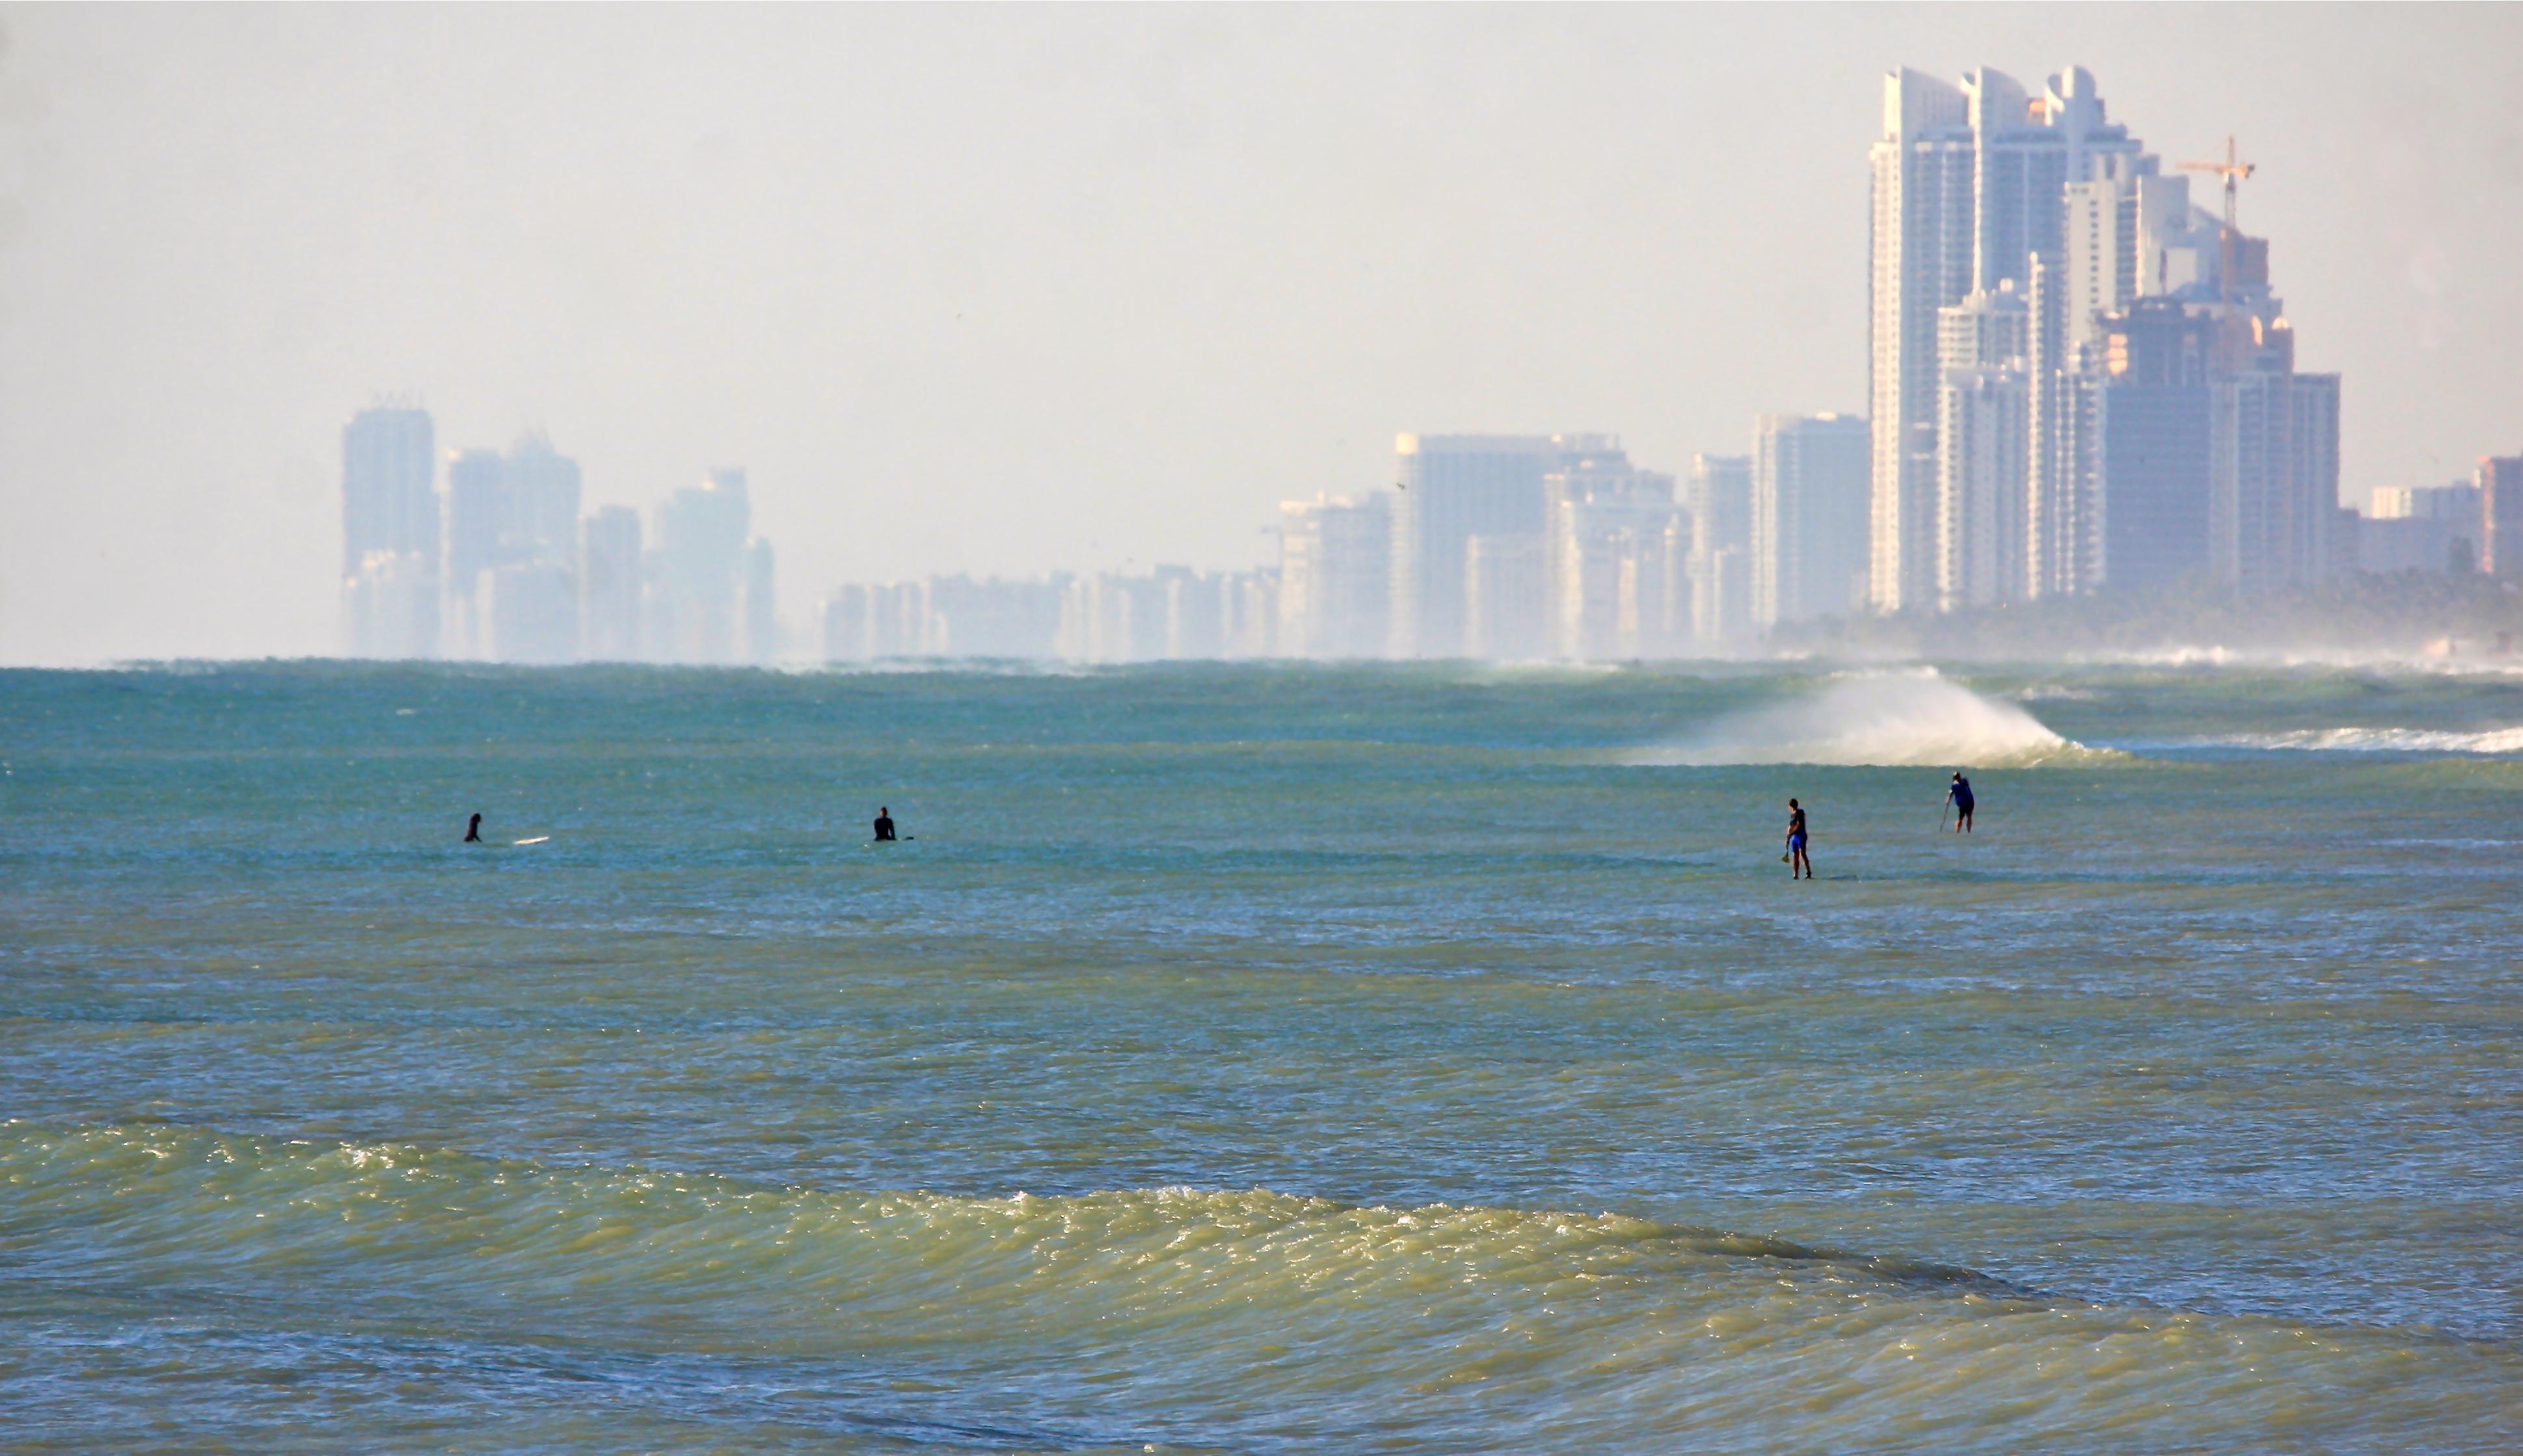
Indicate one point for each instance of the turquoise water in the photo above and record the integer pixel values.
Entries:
(1259, 1058)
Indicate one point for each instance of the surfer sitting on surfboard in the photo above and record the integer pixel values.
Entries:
(473, 830)
(884, 824)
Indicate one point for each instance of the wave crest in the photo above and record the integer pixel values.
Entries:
(246, 1203)
(2385, 740)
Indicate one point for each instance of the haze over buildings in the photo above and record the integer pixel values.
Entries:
(2084, 382)
(1008, 295)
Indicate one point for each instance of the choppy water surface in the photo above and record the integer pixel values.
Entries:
(1259, 1059)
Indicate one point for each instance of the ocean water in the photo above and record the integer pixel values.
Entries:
(1260, 1058)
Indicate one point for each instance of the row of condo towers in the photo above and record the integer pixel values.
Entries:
(1503, 547)
(503, 566)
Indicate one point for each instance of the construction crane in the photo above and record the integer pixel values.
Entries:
(2233, 170)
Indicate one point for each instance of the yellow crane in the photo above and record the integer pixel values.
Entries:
(2233, 170)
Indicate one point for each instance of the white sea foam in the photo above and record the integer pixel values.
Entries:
(2384, 740)
(1890, 718)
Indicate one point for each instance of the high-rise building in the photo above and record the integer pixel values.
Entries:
(539, 519)
(391, 607)
(1253, 621)
(476, 491)
(1336, 558)
(390, 533)
(702, 567)
(849, 623)
(968, 618)
(533, 611)
(1452, 489)
(1607, 524)
(609, 585)
(2500, 514)
(2196, 446)
(1718, 495)
(1195, 613)
(1807, 550)
(1507, 594)
(2419, 527)
(1984, 447)
(2144, 438)
(513, 512)
(2275, 481)
(1969, 187)
(1110, 617)
(761, 604)
(900, 624)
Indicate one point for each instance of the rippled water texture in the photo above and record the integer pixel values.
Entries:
(1259, 1059)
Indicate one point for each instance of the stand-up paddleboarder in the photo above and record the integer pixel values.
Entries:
(1960, 797)
(1799, 863)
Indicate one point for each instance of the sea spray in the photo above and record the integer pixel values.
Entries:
(1911, 717)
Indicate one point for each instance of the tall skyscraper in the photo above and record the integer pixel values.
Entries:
(1336, 557)
(1452, 489)
(609, 581)
(1969, 184)
(1808, 517)
(390, 537)
(702, 568)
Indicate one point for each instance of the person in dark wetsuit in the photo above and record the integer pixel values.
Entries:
(473, 830)
(1960, 796)
(884, 824)
(1799, 863)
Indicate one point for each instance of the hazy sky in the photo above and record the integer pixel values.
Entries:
(1013, 289)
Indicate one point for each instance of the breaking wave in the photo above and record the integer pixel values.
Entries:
(1909, 718)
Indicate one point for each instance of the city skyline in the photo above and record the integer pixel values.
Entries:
(2086, 383)
(1189, 415)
